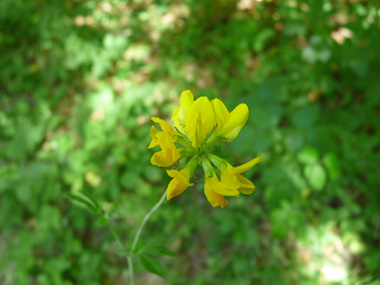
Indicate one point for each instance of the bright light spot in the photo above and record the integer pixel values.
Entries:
(93, 179)
(341, 35)
(323, 253)
(98, 115)
(334, 273)
(245, 5)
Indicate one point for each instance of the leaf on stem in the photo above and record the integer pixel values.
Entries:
(102, 222)
(84, 200)
(159, 249)
(152, 265)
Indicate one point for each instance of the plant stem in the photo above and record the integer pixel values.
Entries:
(131, 274)
(130, 262)
(116, 237)
(136, 239)
(146, 218)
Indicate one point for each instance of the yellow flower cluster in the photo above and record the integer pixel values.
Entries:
(198, 126)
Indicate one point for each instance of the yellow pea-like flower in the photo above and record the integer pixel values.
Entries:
(186, 100)
(230, 124)
(198, 125)
(179, 114)
(165, 126)
(153, 135)
(169, 153)
(200, 120)
(215, 199)
(231, 173)
(179, 183)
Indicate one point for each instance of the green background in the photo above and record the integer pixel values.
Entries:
(79, 81)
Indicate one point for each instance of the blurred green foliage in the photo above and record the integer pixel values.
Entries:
(79, 81)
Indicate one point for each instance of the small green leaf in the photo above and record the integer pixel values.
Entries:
(308, 155)
(165, 251)
(306, 117)
(159, 249)
(84, 202)
(92, 199)
(152, 265)
(102, 222)
(330, 160)
(316, 176)
(139, 247)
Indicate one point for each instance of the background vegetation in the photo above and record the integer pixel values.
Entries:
(81, 79)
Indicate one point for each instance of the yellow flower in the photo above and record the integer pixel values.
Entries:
(231, 175)
(195, 121)
(165, 139)
(229, 124)
(231, 183)
(179, 183)
(215, 199)
(200, 121)
(179, 114)
(169, 153)
(164, 126)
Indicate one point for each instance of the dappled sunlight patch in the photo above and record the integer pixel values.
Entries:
(324, 256)
(246, 4)
(92, 179)
(340, 35)
(137, 52)
(98, 115)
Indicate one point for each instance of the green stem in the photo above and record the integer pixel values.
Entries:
(116, 237)
(136, 239)
(130, 262)
(146, 218)
(131, 274)
(212, 139)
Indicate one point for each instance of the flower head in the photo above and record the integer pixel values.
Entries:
(198, 125)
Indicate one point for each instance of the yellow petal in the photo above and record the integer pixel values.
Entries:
(229, 179)
(178, 124)
(185, 103)
(221, 113)
(246, 186)
(215, 199)
(179, 183)
(224, 189)
(244, 167)
(200, 120)
(165, 126)
(153, 135)
(163, 158)
(172, 172)
(193, 127)
(235, 122)
(169, 153)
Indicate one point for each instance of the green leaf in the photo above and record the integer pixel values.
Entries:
(92, 199)
(316, 176)
(84, 202)
(152, 265)
(308, 155)
(306, 117)
(159, 249)
(262, 39)
(139, 247)
(330, 160)
(102, 222)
